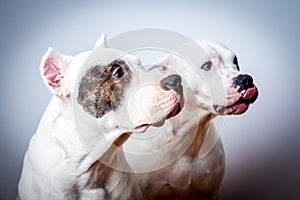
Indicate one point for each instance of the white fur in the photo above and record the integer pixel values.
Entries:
(101, 41)
(63, 157)
(189, 158)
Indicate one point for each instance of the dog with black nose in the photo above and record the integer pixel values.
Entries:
(190, 163)
(99, 98)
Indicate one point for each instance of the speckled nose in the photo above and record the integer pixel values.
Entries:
(172, 82)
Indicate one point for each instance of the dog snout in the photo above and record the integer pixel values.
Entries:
(172, 82)
(244, 81)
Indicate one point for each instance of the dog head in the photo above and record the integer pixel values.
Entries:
(217, 82)
(239, 89)
(112, 88)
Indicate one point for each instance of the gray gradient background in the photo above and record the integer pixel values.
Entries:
(262, 150)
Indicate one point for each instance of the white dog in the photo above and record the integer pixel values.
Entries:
(185, 160)
(98, 98)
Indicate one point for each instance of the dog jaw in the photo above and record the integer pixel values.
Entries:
(240, 102)
(152, 105)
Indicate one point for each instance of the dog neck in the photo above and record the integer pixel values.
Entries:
(82, 145)
(197, 122)
(91, 156)
(201, 133)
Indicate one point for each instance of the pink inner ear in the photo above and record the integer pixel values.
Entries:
(52, 73)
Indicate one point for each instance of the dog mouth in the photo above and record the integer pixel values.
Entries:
(142, 128)
(247, 97)
(161, 102)
(157, 123)
(176, 110)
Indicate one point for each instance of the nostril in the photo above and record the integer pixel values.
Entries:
(244, 81)
(171, 82)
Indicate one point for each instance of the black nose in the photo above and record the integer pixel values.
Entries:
(244, 81)
(172, 82)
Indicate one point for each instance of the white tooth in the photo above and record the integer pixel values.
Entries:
(243, 92)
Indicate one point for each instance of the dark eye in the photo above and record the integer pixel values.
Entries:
(207, 66)
(118, 73)
(235, 61)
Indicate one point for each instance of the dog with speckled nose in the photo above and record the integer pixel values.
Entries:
(99, 98)
(191, 161)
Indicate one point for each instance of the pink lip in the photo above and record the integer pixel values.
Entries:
(141, 128)
(247, 97)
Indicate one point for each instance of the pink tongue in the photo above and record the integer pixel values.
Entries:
(249, 93)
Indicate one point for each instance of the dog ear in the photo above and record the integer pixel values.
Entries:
(53, 68)
(101, 41)
(164, 64)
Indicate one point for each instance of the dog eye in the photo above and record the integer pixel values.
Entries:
(118, 73)
(235, 61)
(207, 66)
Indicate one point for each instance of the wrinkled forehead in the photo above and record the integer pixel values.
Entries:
(105, 57)
(132, 61)
(215, 48)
